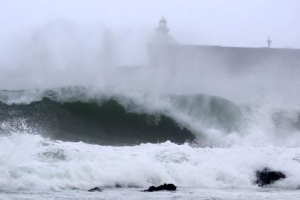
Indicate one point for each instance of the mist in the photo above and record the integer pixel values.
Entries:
(104, 44)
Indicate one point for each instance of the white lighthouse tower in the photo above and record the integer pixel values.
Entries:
(161, 45)
(162, 36)
(162, 27)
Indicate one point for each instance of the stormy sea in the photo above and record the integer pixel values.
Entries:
(73, 118)
(63, 141)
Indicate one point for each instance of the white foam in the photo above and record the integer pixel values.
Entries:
(30, 162)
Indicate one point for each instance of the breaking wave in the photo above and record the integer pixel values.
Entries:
(49, 140)
(79, 114)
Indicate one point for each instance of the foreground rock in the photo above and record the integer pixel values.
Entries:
(267, 176)
(95, 189)
(169, 187)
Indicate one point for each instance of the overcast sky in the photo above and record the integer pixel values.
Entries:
(210, 22)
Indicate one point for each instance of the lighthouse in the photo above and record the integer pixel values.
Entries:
(161, 45)
(162, 27)
(162, 36)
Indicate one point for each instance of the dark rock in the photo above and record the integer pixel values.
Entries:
(267, 176)
(118, 185)
(169, 187)
(95, 189)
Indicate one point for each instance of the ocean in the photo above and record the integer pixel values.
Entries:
(58, 143)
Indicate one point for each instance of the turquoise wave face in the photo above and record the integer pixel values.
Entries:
(77, 115)
(108, 123)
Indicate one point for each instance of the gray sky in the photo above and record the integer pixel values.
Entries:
(210, 22)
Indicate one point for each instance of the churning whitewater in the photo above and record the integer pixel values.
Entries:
(76, 138)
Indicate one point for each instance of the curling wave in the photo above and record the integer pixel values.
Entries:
(78, 114)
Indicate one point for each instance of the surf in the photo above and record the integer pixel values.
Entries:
(106, 117)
